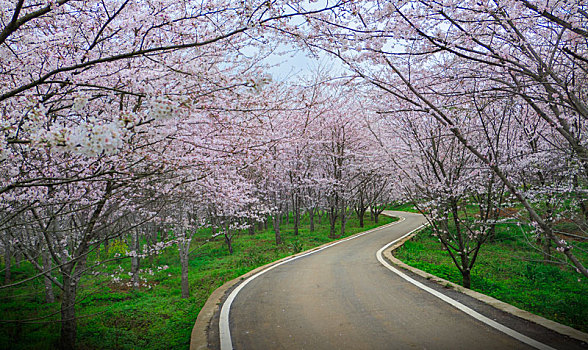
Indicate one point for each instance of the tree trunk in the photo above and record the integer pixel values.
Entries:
(360, 209)
(466, 278)
(251, 227)
(49, 296)
(584, 209)
(546, 249)
(296, 215)
(277, 229)
(17, 258)
(286, 216)
(360, 215)
(67, 340)
(228, 240)
(376, 213)
(311, 218)
(583, 203)
(151, 255)
(332, 221)
(184, 261)
(343, 217)
(135, 259)
(7, 261)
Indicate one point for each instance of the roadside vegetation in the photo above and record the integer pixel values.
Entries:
(401, 206)
(512, 269)
(112, 315)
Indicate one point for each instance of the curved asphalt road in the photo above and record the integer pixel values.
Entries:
(343, 298)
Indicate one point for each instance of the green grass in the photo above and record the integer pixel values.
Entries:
(510, 270)
(112, 316)
(403, 206)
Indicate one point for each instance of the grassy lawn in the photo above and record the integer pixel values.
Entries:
(113, 316)
(403, 206)
(509, 269)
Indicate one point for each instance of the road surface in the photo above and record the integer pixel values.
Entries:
(343, 298)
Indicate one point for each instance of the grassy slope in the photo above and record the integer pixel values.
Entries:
(508, 269)
(402, 207)
(115, 317)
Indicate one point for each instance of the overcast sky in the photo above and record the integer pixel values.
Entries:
(296, 63)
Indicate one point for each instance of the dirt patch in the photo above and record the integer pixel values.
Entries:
(508, 212)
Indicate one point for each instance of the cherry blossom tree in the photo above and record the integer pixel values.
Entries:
(446, 59)
(103, 105)
(460, 199)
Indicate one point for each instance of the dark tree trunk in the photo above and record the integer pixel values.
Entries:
(228, 240)
(71, 275)
(311, 218)
(546, 245)
(17, 258)
(135, 259)
(286, 216)
(360, 209)
(152, 256)
(277, 229)
(7, 261)
(152, 241)
(466, 278)
(296, 215)
(251, 227)
(343, 217)
(67, 340)
(582, 201)
(332, 221)
(584, 209)
(49, 296)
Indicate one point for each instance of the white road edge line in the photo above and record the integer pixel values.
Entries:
(226, 342)
(518, 336)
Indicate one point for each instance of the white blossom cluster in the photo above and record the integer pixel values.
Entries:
(260, 82)
(79, 103)
(4, 150)
(90, 138)
(117, 278)
(162, 108)
(95, 138)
